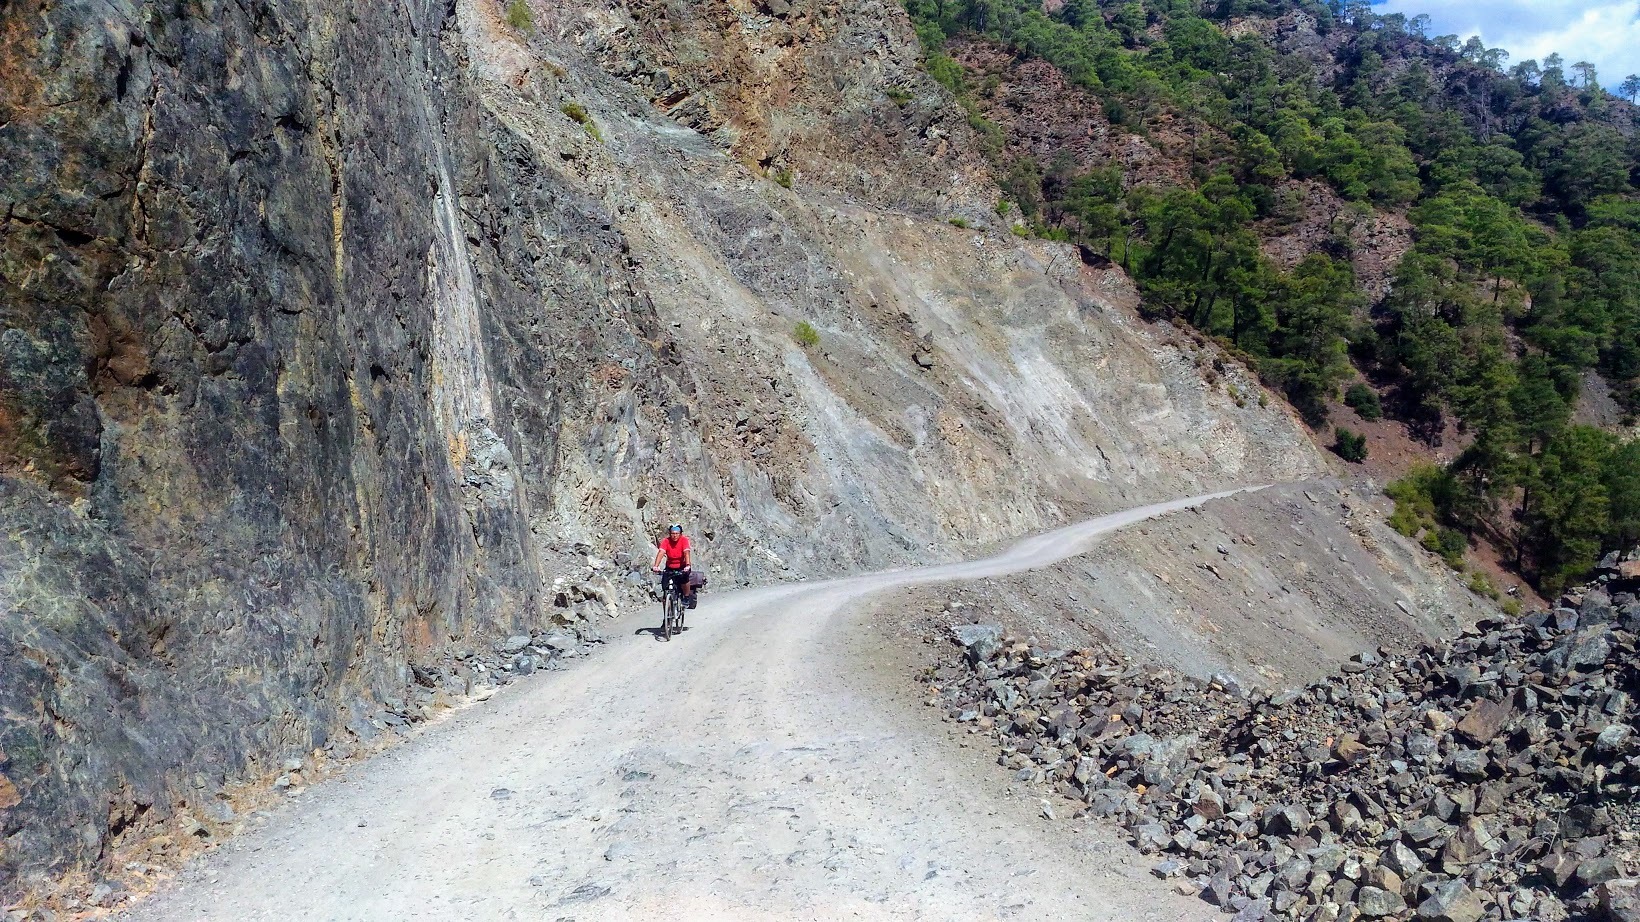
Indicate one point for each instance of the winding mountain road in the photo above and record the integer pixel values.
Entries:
(748, 770)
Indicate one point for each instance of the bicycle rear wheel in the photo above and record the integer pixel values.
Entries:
(668, 604)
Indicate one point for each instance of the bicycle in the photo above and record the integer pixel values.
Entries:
(671, 603)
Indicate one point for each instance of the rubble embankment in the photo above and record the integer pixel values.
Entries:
(1489, 777)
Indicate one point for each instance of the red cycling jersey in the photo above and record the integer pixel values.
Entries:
(675, 548)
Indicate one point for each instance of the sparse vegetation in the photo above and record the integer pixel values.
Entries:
(959, 222)
(806, 335)
(1021, 230)
(784, 177)
(899, 96)
(577, 113)
(520, 17)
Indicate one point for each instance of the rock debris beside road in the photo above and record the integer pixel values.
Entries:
(1490, 777)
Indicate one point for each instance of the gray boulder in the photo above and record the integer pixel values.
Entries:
(982, 641)
(1620, 900)
(1375, 903)
(1453, 901)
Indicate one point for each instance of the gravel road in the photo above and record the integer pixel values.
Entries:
(760, 766)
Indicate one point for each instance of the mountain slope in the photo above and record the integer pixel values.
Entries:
(338, 339)
(1350, 202)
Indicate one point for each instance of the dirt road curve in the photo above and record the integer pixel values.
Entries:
(747, 770)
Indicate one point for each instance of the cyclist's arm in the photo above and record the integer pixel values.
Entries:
(656, 565)
(688, 558)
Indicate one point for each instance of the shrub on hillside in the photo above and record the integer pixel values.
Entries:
(1364, 401)
(1421, 497)
(519, 16)
(578, 114)
(806, 335)
(1449, 543)
(1351, 446)
(1481, 584)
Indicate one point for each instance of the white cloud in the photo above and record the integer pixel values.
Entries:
(1602, 31)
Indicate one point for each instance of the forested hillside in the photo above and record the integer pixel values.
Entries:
(1253, 163)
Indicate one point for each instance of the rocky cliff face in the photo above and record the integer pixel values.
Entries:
(331, 336)
(824, 92)
(281, 387)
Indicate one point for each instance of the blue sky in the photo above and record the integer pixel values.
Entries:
(1602, 31)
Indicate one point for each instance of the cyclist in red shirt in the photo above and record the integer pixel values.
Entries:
(674, 560)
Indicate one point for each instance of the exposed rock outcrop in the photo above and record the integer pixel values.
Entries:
(821, 92)
(282, 375)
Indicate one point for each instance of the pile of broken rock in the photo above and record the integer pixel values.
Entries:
(470, 672)
(1490, 777)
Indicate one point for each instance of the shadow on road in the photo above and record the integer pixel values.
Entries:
(655, 632)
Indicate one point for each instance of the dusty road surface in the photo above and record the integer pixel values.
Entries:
(748, 769)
